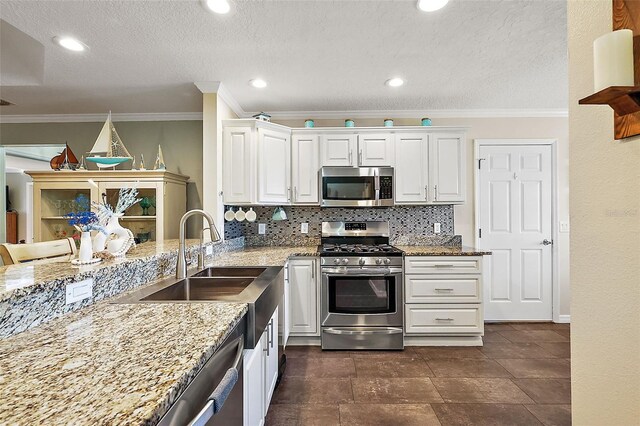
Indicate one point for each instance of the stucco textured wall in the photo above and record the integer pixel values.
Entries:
(605, 241)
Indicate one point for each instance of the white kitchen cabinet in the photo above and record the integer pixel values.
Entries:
(376, 149)
(304, 300)
(305, 166)
(412, 168)
(238, 177)
(260, 373)
(443, 297)
(274, 167)
(338, 149)
(253, 385)
(447, 167)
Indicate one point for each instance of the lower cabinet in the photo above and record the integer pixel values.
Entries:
(304, 301)
(443, 296)
(260, 371)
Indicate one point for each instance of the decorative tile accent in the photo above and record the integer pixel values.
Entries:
(410, 225)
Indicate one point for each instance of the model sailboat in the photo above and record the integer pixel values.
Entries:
(108, 151)
(66, 160)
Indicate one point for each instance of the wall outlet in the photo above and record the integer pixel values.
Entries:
(304, 228)
(437, 228)
(564, 227)
(81, 290)
(262, 228)
(209, 250)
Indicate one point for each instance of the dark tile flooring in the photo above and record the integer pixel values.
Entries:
(519, 377)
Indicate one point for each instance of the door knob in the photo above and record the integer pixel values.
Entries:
(546, 242)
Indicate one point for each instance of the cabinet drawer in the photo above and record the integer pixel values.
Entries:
(443, 319)
(442, 288)
(443, 265)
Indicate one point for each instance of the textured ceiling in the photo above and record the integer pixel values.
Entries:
(316, 55)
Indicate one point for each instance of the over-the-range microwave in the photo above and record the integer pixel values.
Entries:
(356, 186)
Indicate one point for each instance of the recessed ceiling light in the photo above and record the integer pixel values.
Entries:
(431, 5)
(394, 82)
(70, 43)
(218, 6)
(258, 83)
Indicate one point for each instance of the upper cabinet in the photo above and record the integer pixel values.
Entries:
(375, 149)
(305, 164)
(270, 164)
(337, 149)
(447, 168)
(430, 168)
(274, 167)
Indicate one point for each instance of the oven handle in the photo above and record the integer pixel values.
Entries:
(367, 332)
(361, 271)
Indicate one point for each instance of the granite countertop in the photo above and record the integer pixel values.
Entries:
(262, 256)
(109, 364)
(441, 251)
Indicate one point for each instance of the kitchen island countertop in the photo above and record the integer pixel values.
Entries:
(442, 251)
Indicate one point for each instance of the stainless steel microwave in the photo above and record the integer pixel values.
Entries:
(356, 186)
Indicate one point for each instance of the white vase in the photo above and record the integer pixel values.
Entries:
(114, 227)
(86, 252)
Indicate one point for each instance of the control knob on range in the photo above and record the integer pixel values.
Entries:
(336, 261)
(361, 261)
(387, 261)
(345, 261)
(378, 261)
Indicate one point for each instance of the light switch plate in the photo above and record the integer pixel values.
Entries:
(304, 228)
(437, 228)
(81, 290)
(564, 227)
(262, 228)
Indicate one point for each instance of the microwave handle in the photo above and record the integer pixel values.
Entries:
(376, 182)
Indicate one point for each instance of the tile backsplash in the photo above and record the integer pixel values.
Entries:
(410, 225)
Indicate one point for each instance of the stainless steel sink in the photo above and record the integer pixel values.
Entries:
(202, 289)
(230, 272)
(259, 287)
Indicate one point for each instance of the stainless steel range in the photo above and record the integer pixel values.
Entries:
(361, 296)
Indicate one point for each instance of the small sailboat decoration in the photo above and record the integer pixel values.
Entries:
(109, 151)
(66, 160)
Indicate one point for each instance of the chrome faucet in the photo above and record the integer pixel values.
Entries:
(181, 266)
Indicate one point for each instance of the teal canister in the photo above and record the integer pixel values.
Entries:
(349, 123)
(388, 122)
(309, 123)
(425, 122)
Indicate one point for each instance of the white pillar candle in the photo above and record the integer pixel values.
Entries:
(613, 60)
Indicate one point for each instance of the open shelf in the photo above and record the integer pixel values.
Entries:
(623, 99)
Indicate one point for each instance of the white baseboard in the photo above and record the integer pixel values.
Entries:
(564, 319)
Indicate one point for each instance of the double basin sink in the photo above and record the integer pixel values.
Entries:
(261, 288)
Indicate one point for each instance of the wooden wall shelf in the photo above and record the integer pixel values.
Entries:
(623, 99)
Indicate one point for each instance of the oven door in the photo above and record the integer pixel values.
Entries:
(361, 297)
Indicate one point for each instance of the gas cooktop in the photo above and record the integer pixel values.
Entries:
(359, 250)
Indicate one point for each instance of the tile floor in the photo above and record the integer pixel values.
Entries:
(520, 377)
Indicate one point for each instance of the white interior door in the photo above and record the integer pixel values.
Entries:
(515, 221)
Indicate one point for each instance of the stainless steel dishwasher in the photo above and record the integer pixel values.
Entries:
(195, 405)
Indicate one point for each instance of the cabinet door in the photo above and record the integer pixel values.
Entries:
(412, 171)
(304, 297)
(305, 165)
(338, 150)
(447, 167)
(271, 360)
(253, 383)
(238, 157)
(375, 150)
(274, 167)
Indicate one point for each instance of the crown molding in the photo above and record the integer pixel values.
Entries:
(224, 94)
(453, 113)
(91, 118)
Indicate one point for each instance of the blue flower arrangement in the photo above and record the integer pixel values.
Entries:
(84, 221)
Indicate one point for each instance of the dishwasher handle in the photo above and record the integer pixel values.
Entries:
(221, 392)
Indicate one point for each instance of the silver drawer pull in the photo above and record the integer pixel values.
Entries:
(441, 265)
(444, 319)
(443, 289)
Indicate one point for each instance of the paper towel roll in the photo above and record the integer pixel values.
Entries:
(613, 60)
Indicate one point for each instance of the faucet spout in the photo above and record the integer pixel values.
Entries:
(181, 265)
